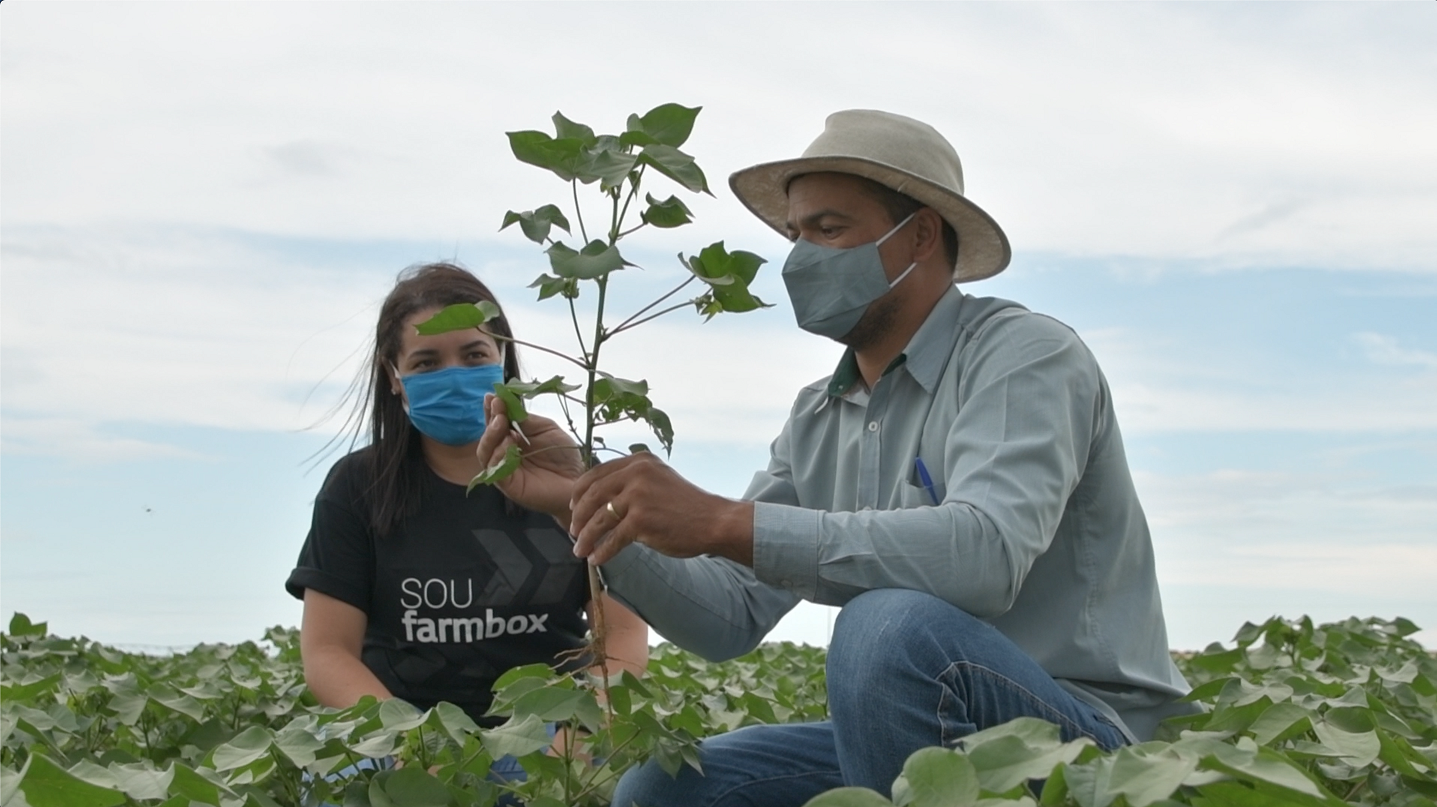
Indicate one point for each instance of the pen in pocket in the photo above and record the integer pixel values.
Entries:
(925, 479)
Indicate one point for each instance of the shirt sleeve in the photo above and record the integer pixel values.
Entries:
(338, 556)
(707, 605)
(1026, 408)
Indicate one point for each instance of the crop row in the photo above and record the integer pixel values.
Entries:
(1294, 714)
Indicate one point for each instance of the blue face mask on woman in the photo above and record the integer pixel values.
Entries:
(448, 405)
(832, 288)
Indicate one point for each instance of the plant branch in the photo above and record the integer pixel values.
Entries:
(650, 306)
(637, 323)
(574, 316)
(632, 230)
(633, 192)
(566, 357)
(578, 211)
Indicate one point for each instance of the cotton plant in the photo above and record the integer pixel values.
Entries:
(616, 167)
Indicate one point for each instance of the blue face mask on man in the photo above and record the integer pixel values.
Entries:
(832, 288)
(448, 405)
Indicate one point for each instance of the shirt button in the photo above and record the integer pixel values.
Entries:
(873, 425)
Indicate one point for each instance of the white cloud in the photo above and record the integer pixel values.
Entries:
(1386, 350)
(1329, 528)
(1291, 134)
(1162, 387)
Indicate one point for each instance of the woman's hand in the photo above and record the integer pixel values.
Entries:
(545, 478)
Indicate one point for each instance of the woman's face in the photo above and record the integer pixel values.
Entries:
(425, 354)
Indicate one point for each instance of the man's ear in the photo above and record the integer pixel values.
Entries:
(927, 234)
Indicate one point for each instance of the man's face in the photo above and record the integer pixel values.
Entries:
(833, 210)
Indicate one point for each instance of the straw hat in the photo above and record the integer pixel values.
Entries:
(906, 155)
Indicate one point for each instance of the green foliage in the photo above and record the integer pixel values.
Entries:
(85, 725)
(616, 164)
(1294, 714)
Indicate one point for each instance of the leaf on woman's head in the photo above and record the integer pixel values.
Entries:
(457, 317)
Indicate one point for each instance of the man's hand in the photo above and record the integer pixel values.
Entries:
(639, 498)
(545, 478)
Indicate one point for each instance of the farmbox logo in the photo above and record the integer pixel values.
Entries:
(435, 593)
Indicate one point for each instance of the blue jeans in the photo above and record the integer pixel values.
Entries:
(906, 670)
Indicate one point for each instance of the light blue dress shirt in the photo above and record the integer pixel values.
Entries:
(1031, 522)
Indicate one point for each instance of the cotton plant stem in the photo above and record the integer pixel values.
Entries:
(598, 645)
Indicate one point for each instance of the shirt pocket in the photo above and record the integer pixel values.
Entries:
(914, 494)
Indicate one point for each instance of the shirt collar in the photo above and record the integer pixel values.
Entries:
(925, 355)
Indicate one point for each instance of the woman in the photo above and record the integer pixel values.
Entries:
(411, 588)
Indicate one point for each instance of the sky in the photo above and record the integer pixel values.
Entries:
(202, 204)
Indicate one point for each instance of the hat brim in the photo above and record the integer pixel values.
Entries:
(983, 249)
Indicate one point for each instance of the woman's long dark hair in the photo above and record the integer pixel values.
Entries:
(395, 458)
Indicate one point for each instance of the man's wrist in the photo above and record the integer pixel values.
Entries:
(734, 536)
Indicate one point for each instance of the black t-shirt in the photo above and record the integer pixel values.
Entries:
(457, 595)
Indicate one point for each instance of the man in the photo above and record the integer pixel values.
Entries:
(958, 486)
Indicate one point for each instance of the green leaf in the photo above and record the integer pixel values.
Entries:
(186, 705)
(848, 797)
(610, 168)
(1010, 754)
(140, 781)
(518, 737)
(1146, 777)
(595, 260)
(551, 704)
(187, 783)
(533, 389)
(564, 157)
(675, 165)
(20, 625)
(565, 129)
(520, 673)
(536, 223)
(663, 429)
(1279, 721)
(45, 784)
(299, 743)
(1357, 749)
(23, 692)
(457, 317)
(936, 777)
(246, 747)
(667, 124)
(513, 403)
(411, 786)
(728, 276)
(667, 214)
(499, 471)
(548, 286)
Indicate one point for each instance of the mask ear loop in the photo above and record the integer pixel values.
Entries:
(888, 235)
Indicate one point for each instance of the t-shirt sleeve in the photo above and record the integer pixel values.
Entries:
(338, 555)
